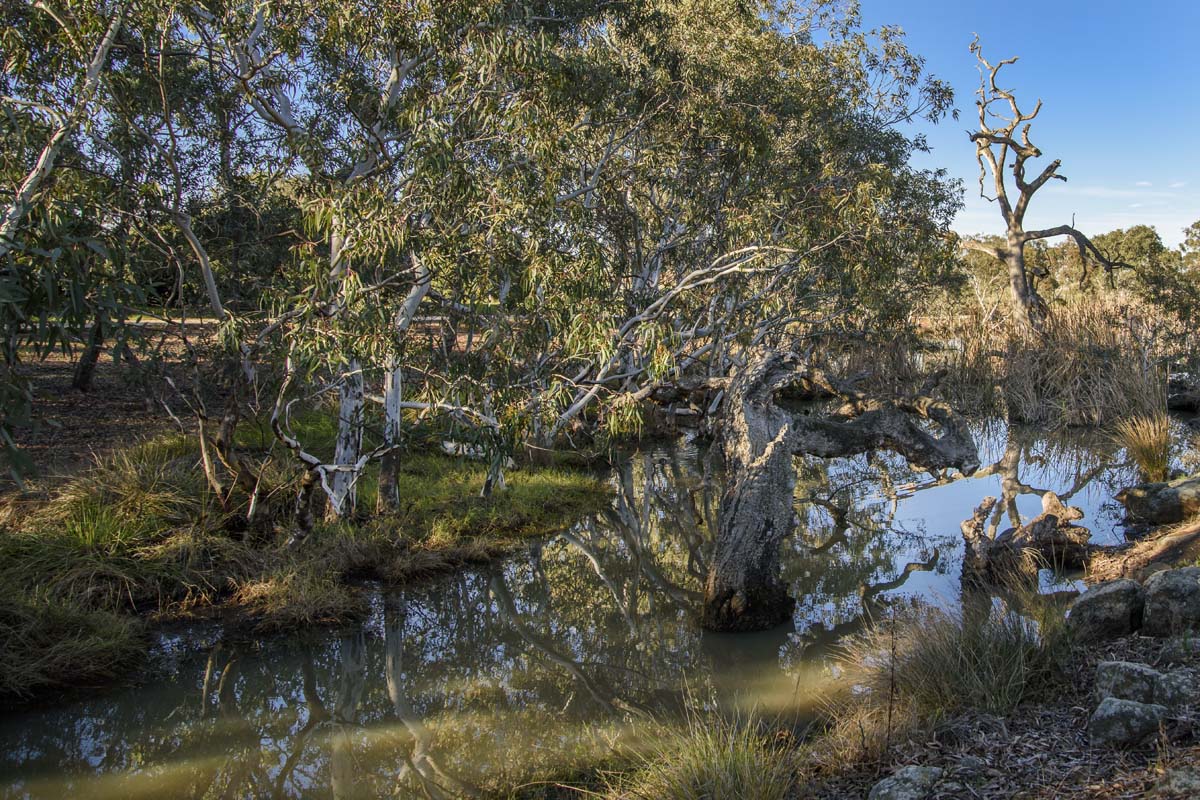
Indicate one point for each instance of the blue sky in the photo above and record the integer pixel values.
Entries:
(1121, 102)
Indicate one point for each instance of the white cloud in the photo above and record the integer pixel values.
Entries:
(1106, 192)
(1136, 205)
(1143, 183)
(1178, 184)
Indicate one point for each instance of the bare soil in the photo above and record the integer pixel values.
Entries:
(125, 404)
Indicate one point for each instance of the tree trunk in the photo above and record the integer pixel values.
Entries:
(1028, 307)
(389, 467)
(85, 370)
(343, 482)
(744, 590)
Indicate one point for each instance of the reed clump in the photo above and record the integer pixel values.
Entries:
(1147, 441)
(922, 666)
(1089, 367)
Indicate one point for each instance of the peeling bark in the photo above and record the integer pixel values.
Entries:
(343, 482)
(743, 590)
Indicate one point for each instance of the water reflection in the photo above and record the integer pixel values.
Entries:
(502, 675)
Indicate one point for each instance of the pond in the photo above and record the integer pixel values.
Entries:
(529, 668)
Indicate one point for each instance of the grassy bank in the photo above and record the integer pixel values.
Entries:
(138, 538)
(898, 687)
(997, 698)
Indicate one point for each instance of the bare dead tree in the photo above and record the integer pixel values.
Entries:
(1003, 136)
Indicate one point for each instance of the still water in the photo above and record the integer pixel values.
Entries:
(513, 673)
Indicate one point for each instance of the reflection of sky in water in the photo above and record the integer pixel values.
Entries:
(500, 675)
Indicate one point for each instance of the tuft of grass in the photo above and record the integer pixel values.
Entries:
(43, 640)
(1147, 440)
(987, 659)
(708, 759)
(909, 673)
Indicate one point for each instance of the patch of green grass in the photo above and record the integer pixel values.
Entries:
(440, 498)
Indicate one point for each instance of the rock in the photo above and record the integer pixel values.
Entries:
(1172, 602)
(969, 766)
(1178, 783)
(1162, 503)
(1124, 723)
(1177, 688)
(1181, 650)
(1107, 610)
(1125, 680)
(1183, 393)
(907, 783)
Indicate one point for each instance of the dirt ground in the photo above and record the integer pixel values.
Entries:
(1042, 750)
(70, 428)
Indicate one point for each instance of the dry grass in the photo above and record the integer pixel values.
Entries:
(1089, 368)
(1096, 362)
(1147, 440)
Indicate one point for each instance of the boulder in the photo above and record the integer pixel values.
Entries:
(1124, 723)
(907, 783)
(1107, 610)
(1177, 783)
(1177, 688)
(1162, 503)
(1172, 602)
(1125, 680)
(1181, 650)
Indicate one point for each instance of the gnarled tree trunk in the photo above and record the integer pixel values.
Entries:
(744, 590)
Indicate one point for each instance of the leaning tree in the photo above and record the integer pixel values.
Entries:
(1002, 143)
(760, 437)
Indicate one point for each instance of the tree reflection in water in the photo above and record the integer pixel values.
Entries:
(521, 670)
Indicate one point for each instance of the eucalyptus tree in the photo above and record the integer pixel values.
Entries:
(739, 179)
(54, 242)
(62, 94)
(412, 129)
